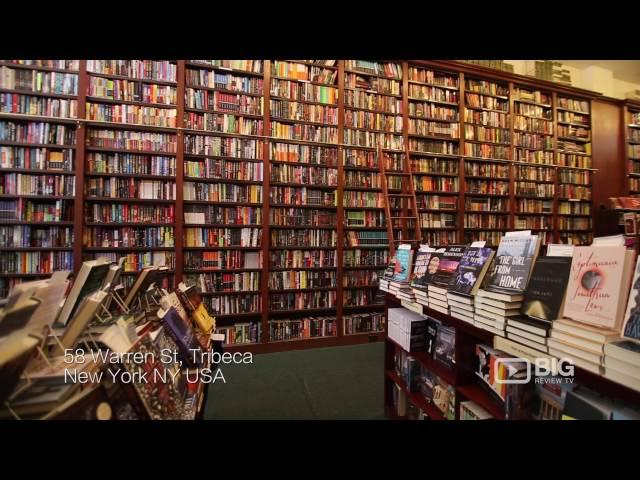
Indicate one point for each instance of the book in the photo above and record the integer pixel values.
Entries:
(624, 350)
(503, 297)
(525, 334)
(541, 329)
(481, 300)
(574, 351)
(599, 285)
(404, 258)
(189, 350)
(593, 347)
(418, 275)
(471, 271)
(513, 262)
(143, 281)
(430, 335)
(17, 312)
(544, 296)
(90, 279)
(631, 326)
(171, 300)
(470, 410)
(448, 266)
(620, 366)
(16, 350)
(158, 395)
(461, 315)
(445, 346)
(81, 318)
(587, 332)
(525, 341)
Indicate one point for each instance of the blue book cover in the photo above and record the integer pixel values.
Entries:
(189, 350)
(404, 257)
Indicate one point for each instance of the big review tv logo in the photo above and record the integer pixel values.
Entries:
(543, 370)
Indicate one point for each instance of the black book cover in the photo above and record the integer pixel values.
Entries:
(469, 270)
(430, 336)
(448, 265)
(445, 348)
(420, 270)
(547, 286)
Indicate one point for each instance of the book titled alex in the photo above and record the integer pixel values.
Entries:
(545, 294)
(189, 349)
(514, 259)
(471, 270)
(448, 265)
(599, 284)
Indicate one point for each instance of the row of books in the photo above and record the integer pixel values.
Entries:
(131, 164)
(119, 237)
(40, 106)
(223, 123)
(35, 262)
(37, 132)
(213, 214)
(224, 81)
(226, 282)
(302, 258)
(131, 91)
(302, 279)
(303, 238)
(142, 69)
(224, 102)
(302, 217)
(24, 184)
(222, 260)
(35, 81)
(131, 188)
(222, 192)
(304, 175)
(21, 236)
(132, 114)
(33, 211)
(36, 158)
(129, 213)
(131, 140)
(222, 237)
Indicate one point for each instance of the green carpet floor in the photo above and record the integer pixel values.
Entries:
(336, 383)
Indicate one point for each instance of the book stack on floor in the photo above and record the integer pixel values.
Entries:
(439, 282)
(503, 295)
(466, 282)
(594, 310)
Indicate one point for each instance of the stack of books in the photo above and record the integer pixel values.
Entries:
(466, 282)
(492, 309)
(443, 277)
(622, 363)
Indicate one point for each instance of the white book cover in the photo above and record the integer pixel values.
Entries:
(592, 347)
(591, 367)
(527, 335)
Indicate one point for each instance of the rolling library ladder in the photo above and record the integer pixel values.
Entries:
(403, 202)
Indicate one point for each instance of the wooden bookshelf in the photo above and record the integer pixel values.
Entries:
(631, 122)
(467, 385)
(38, 152)
(403, 110)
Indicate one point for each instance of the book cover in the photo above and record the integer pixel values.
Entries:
(544, 296)
(597, 286)
(513, 263)
(402, 270)
(188, 346)
(419, 274)
(473, 265)
(448, 265)
(631, 328)
(391, 268)
(159, 395)
(445, 346)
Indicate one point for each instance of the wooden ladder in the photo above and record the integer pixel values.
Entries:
(409, 205)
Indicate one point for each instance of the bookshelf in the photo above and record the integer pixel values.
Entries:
(38, 139)
(466, 384)
(632, 143)
(433, 116)
(223, 191)
(130, 163)
(272, 150)
(573, 144)
(373, 117)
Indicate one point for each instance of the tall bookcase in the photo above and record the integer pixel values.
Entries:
(223, 192)
(130, 162)
(632, 139)
(261, 180)
(573, 147)
(38, 139)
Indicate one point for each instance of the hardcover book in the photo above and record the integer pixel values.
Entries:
(631, 328)
(188, 346)
(448, 265)
(471, 270)
(419, 274)
(445, 347)
(404, 258)
(513, 262)
(545, 293)
(599, 285)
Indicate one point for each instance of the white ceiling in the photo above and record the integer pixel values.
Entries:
(626, 70)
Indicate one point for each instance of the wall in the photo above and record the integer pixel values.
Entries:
(595, 78)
